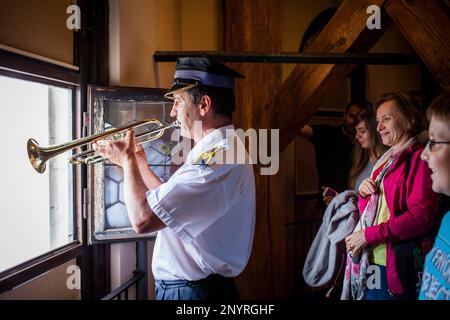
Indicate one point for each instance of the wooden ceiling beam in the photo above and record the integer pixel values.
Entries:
(308, 86)
(426, 25)
(293, 57)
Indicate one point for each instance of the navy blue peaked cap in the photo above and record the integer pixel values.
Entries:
(193, 71)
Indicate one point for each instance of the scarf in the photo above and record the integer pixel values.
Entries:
(356, 266)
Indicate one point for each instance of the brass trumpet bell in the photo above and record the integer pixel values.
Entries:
(39, 156)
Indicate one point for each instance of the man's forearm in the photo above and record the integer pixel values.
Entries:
(149, 178)
(135, 196)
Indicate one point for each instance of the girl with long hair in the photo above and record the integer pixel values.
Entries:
(368, 149)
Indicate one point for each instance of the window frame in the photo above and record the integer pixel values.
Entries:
(97, 97)
(26, 68)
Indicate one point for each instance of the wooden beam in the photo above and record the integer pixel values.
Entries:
(253, 25)
(293, 57)
(426, 25)
(308, 86)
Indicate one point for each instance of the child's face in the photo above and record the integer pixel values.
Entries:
(438, 158)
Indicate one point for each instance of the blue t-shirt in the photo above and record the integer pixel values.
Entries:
(436, 273)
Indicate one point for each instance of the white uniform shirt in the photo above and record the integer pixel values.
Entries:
(209, 211)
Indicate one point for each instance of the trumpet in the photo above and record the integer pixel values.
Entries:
(39, 156)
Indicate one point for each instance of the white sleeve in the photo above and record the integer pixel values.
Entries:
(195, 197)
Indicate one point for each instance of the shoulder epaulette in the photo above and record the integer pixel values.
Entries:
(205, 157)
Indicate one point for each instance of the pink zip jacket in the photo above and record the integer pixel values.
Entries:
(412, 206)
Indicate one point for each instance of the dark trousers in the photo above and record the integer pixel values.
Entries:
(215, 287)
(383, 292)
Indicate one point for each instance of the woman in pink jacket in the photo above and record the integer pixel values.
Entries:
(397, 204)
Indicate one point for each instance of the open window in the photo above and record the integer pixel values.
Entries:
(34, 207)
(116, 107)
(41, 226)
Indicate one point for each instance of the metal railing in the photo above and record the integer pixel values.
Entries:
(121, 293)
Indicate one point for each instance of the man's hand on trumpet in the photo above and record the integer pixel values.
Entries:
(141, 158)
(119, 151)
